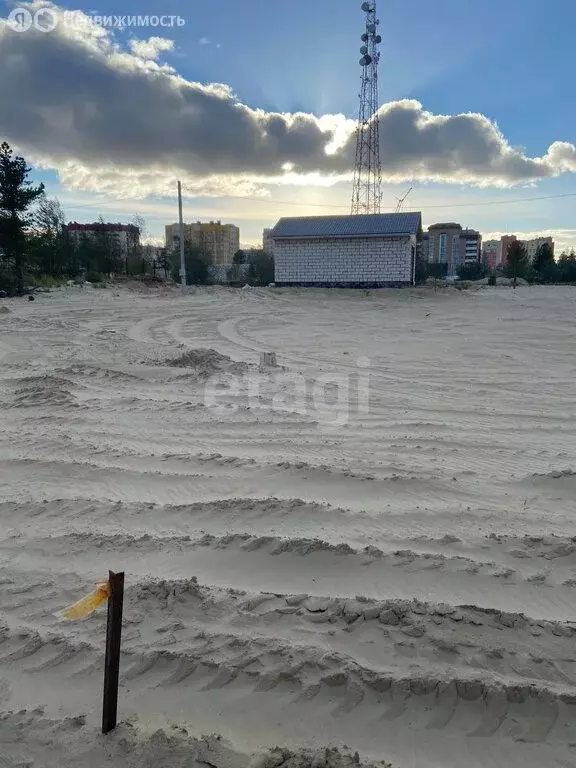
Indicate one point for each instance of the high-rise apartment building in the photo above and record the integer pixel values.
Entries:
(450, 244)
(470, 245)
(532, 246)
(444, 245)
(492, 253)
(219, 241)
(505, 243)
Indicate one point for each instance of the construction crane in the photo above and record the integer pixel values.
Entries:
(402, 199)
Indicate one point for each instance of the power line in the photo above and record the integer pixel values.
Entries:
(413, 207)
(502, 202)
(98, 205)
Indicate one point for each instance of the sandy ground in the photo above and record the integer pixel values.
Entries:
(380, 559)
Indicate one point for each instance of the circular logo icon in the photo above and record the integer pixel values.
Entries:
(20, 19)
(45, 20)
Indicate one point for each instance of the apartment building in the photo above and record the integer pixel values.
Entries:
(219, 241)
(492, 253)
(449, 244)
(125, 237)
(470, 245)
(444, 243)
(505, 243)
(532, 246)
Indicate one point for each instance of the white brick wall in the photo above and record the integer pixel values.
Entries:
(351, 260)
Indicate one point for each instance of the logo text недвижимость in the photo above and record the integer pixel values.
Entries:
(47, 20)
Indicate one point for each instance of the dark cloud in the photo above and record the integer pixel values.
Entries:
(63, 97)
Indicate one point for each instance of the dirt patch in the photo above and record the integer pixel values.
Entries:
(206, 362)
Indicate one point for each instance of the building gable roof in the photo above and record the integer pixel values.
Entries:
(365, 225)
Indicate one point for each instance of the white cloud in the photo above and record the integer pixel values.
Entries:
(562, 155)
(204, 41)
(151, 48)
(138, 183)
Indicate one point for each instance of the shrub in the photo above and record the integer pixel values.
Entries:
(44, 281)
(261, 269)
(94, 277)
(8, 282)
(421, 271)
(437, 270)
(196, 262)
(567, 267)
(533, 276)
(473, 271)
(550, 273)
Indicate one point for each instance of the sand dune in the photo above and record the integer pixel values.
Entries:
(390, 573)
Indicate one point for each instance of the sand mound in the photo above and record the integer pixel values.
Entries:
(556, 474)
(330, 757)
(32, 740)
(85, 370)
(206, 362)
(147, 285)
(510, 281)
(44, 390)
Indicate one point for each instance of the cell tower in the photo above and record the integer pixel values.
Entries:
(366, 193)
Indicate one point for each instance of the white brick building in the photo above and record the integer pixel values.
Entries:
(348, 251)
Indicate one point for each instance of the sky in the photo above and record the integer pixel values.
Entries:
(253, 105)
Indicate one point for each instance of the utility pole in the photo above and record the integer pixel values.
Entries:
(181, 233)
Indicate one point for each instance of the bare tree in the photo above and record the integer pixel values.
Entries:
(48, 242)
(135, 255)
(48, 218)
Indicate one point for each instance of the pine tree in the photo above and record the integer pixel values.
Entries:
(544, 258)
(16, 196)
(517, 261)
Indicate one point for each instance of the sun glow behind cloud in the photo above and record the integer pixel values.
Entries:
(204, 135)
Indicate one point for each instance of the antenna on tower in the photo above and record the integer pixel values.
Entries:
(401, 200)
(366, 192)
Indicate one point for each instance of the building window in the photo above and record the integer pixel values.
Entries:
(443, 242)
(471, 249)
